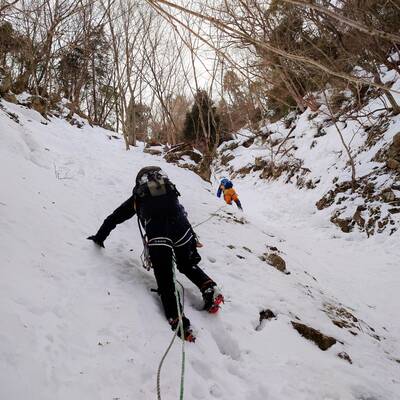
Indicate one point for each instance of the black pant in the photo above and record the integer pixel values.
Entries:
(169, 237)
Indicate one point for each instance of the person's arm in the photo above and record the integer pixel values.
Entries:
(219, 192)
(124, 212)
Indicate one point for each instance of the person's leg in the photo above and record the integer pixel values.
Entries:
(187, 259)
(161, 260)
(160, 252)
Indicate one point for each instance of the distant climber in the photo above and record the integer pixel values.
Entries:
(168, 236)
(226, 187)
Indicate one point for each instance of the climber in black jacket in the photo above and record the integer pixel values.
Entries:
(168, 234)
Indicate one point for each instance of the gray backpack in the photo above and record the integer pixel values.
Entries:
(152, 181)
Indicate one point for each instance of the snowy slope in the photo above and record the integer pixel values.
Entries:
(306, 149)
(78, 322)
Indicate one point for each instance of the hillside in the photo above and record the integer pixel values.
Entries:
(81, 322)
(311, 151)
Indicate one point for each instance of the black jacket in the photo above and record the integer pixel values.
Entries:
(149, 208)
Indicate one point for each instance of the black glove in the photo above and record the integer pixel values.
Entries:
(96, 240)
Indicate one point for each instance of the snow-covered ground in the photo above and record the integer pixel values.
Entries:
(79, 322)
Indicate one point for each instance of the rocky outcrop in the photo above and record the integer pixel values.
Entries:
(324, 342)
(344, 356)
(153, 152)
(10, 97)
(266, 315)
(39, 104)
(5, 81)
(185, 156)
(393, 154)
(345, 319)
(275, 260)
(368, 217)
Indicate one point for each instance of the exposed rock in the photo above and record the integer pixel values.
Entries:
(153, 143)
(39, 104)
(329, 198)
(320, 132)
(394, 149)
(259, 163)
(248, 142)
(276, 261)
(172, 157)
(324, 202)
(388, 195)
(273, 248)
(343, 223)
(368, 189)
(245, 170)
(10, 97)
(231, 146)
(324, 342)
(266, 315)
(393, 164)
(77, 123)
(344, 356)
(193, 155)
(201, 163)
(391, 155)
(376, 131)
(341, 317)
(226, 158)
(344, 319)
(5, 81)
(274, 171)
(180, 147)
(357, 217)
(153, 152)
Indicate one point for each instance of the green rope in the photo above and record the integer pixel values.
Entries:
(180, 326)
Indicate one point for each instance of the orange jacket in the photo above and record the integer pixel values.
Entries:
(229, 195)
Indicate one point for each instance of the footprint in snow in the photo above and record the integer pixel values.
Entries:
(216, 391)
(227, 345)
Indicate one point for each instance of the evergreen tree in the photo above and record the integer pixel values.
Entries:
(202, 122)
